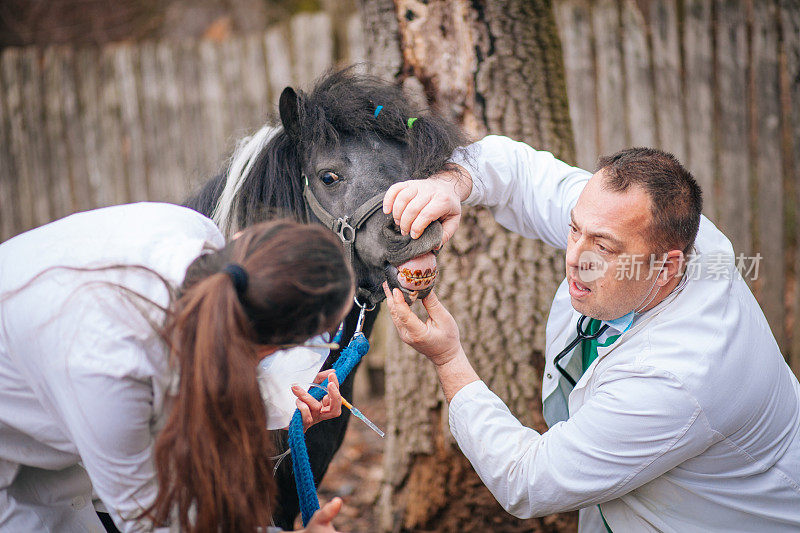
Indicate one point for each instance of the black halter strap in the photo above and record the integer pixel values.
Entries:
(345, 227)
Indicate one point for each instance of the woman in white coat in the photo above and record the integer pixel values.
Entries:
(130, 339)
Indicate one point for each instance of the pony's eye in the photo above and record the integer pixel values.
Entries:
(329, 178)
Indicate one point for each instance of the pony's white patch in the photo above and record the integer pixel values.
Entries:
(242, 161)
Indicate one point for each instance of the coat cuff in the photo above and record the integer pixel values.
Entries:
(466, 157)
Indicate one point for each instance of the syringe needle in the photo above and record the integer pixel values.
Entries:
(358, 414)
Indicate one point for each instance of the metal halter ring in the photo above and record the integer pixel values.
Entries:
(361, 316)
(363, 306)
(342, 227)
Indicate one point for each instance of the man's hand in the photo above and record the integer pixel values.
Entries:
(416, 203)
(437, 339)
(314, 411)
(322, 521)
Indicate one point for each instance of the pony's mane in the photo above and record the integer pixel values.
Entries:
(263, 179)
(241, 164)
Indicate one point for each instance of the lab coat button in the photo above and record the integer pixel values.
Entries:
(78, 503)
(549, 375)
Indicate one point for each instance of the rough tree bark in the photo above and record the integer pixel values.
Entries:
(495, 67)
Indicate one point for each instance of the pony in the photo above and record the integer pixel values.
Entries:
(336, 151)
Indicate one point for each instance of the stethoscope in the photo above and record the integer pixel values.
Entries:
(582, 336)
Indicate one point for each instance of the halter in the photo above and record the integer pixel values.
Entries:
(345, 227)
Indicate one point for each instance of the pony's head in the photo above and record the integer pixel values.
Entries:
(341, 146)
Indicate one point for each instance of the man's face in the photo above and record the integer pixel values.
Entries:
(607, 240)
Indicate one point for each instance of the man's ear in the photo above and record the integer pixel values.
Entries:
(290, 112)
(673, 266)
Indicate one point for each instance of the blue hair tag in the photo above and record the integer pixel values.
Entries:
(378, 110)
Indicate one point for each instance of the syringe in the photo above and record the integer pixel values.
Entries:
(356, 412)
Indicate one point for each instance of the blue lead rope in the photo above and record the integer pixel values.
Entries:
(303, 477)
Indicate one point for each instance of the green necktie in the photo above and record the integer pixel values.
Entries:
(589, 354)
(589, 346)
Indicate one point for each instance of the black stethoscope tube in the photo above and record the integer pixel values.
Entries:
(582, 335)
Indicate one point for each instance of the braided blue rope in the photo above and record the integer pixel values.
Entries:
(303, 477)
(339, 334)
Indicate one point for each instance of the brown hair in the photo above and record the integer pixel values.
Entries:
(675, 197)
(213, 456)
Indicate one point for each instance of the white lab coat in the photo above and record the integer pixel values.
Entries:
(83, 377)
(690, 421)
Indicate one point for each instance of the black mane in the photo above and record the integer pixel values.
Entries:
(341, 104)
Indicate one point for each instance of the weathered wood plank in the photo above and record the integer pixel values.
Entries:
(77, 165)
(9, 195)
(232, 76)
(699, 100)
(87, 68)
(610, 80)
(279, 63)
(213, 99)
(731, 124)
(667, 71)
(790, 25)
(153, 134)
(769, 220)
(176, 184)
(111, 145)
(132, 147)
(34, 127)
(639, 92)
(575, 27)
(310, 62)
(254, 82)
(58, 158)
(199, 157)
(11, 69)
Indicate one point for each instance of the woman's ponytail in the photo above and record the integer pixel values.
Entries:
(278, 283)
(213, 455)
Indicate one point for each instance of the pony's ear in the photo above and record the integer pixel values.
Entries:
(288, 109)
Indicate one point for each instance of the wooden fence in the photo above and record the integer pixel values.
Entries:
(715, 82)
(82, 128)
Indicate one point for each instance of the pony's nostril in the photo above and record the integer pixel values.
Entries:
(393, 234)
(392, 226)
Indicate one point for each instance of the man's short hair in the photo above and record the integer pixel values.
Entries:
(675, 197)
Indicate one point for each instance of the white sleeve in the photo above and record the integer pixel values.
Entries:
(528, 191)
(109, 418)
(638, 424)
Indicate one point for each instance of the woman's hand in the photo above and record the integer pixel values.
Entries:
(314, 411)
(416, 203)
(322, 520)
(437, 338)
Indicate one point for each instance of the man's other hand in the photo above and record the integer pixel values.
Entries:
(416, 203)
(437, 338)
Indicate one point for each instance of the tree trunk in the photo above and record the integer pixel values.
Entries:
(495, 67)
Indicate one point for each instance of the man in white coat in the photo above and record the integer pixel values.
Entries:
(675, 410)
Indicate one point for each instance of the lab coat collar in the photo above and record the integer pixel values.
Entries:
(638, 324)
(562, 329)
